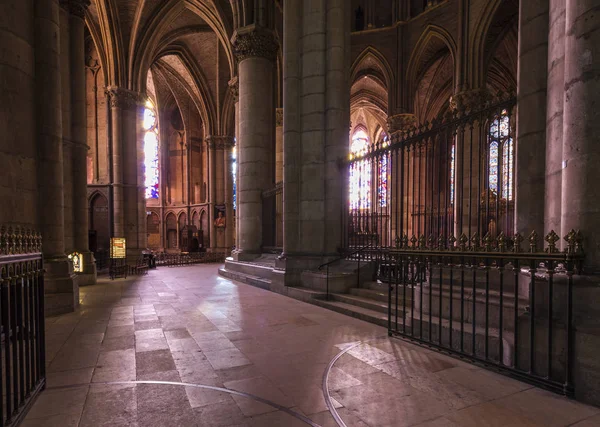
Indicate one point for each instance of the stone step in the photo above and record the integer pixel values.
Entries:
(361, 313)
(363, 302)
(381, 295)
(304, 294)
(258, 282)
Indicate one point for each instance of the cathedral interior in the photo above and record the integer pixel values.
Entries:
(299, 212)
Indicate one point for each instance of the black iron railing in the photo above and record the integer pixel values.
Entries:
(180, 259)
(510, 309)
(451, 176)
(23, 360)
(365, 254)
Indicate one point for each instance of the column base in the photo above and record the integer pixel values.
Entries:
(89, 274)
(289, 268)
(242, 255)
(61, 287)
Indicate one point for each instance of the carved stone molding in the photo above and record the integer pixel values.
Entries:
(215, 142)
(234, 87)
(469, 100)
(75, 7)
(278, 117)
(401, 122)
(123, 98)
(252, 42)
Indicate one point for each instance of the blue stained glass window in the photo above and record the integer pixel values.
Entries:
(493, 167)
(501, 157)
(151, 167)
(383, 181)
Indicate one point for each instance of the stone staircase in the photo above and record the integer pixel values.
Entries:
(368, 303)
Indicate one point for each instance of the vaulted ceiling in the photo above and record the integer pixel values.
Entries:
(186, 41)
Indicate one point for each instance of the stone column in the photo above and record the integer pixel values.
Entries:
(18, 150)
(255, 48)
(316, 121)
(581, 127)
(554, 116)
(62, 290)
(279, 175)
(532, 79)
(67, 141)
(116, 104)
(79, 146)
(221, 188)
(129, 202)
(212, 189)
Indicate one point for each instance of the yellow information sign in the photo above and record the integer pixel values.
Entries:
(117, 247)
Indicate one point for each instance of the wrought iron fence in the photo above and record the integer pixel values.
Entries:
(23, 360)
(489, 301)
(176, 260)
(451, 176)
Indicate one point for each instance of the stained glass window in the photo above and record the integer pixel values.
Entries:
(452, 172)
(360, 172)
(382, 193)
(234, 173)
(501, 157)
(151, 169)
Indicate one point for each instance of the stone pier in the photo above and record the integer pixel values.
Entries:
(255, 48)
(62, 290)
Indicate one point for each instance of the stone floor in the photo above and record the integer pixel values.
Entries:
(259, 359)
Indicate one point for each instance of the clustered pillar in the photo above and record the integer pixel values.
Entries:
(531, 117)
(127, 179)
(79, 148)
(255, 48)
(581, 127)
(61, 285)
(316, 120)
(279, 176)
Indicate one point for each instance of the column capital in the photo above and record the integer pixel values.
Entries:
(219, 142)
(234, 87)
(401, 122)
(278, 117)
(253, 41)
(75, 7)
(124, 98)
(469, 100)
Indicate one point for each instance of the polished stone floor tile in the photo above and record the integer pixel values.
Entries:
(188, 325)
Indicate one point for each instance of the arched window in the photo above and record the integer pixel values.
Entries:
(360, 172)
(151, 169)
(234, 173)
(501, 157)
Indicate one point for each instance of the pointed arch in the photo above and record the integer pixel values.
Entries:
(477, 52)
(386, 73)
(433, 40)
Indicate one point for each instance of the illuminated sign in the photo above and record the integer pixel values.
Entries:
(77, 261)
(117, 247)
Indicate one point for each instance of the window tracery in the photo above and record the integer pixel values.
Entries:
(501, 157)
